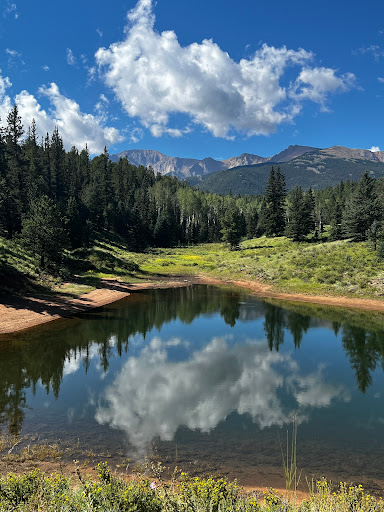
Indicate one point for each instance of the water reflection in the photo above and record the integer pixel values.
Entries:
(215, 375)
(152, 396)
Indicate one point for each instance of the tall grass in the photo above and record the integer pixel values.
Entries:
(289, 458)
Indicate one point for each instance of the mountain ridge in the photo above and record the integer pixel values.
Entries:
(185, 168)
(196, 170)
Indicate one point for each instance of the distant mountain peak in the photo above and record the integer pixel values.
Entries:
(292, 152)
(186, 168)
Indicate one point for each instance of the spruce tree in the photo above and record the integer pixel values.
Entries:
(296, 213)
(273, 216)
(43, 232)
(15, 178)
(361, 210)
(231, 227)
(309, 212)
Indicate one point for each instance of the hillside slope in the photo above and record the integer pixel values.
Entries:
(317, 170)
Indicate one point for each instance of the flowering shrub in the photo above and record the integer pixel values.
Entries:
(35, 491)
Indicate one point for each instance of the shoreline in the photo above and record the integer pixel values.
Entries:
(21, 313)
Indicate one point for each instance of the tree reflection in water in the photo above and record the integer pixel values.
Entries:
(46, 354)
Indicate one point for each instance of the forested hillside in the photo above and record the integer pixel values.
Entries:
(308, 171)
(52, 200)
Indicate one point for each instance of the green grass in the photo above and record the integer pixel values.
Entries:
(36, 491)
(336, 268)
(332, 268)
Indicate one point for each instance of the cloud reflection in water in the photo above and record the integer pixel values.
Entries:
(153, 396)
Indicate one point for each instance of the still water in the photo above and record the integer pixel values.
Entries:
(209, 378)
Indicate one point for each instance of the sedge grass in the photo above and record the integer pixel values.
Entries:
(289, 460)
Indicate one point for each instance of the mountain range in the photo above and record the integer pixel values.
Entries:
(185, 168)
(248, 173)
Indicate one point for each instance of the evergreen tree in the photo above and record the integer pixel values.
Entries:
(15, 179)
(58, 178)
(361, 210)
(296, 213)
(231, 228)
(43, 232)
(273, 218)
(309, 212)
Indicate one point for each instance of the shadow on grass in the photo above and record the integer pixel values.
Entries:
(258, 247)
(42, 300)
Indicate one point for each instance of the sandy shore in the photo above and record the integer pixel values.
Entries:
(19, 313)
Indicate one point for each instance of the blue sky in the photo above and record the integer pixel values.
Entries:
(196, 79)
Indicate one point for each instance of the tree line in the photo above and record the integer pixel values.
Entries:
(51, 199)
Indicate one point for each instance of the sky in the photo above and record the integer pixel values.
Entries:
(196, 79)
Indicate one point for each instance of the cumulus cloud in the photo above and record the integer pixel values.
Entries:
(374, 149)
(315, 84)
(154, 77)
(4, 84)
(75, 127)
(153, 396)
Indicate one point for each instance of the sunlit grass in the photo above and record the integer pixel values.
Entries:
(310, 267)
(36, 491)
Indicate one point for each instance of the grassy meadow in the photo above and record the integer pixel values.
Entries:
(312, 267)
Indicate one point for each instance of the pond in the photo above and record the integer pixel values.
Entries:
(208, 378)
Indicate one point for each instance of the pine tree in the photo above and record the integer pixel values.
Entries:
(296, 213)
(58, 178)
(43, 232)
(15, 179)
(231, 227)
(281, 194)
(309, 212)
(273, 217)
(361, 210)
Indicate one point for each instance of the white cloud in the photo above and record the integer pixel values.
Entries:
(101, 107)
(374, 149)
(136, 135)
(75, 127)
(380, 79)
(153, 395)
(14, 57)
(374, 50)
(71, 60)
(45, 67)
(154, 77)
(99, 32)
(12, 53)
(10, 8)
(4, 84)
(315, 84)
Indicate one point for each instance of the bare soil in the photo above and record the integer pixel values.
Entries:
(19, 313)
